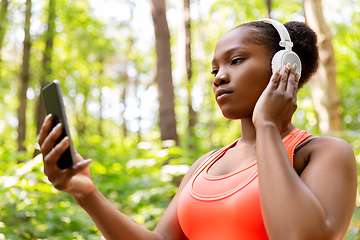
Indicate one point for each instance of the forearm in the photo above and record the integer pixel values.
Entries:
(290, 209)
(111, 222)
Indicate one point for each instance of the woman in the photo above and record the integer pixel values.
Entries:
(256, 187)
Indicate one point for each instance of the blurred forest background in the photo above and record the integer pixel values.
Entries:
(142, 114)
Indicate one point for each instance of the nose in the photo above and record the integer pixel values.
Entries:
(221, 78)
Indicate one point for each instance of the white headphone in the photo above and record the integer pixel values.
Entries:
(283, 57)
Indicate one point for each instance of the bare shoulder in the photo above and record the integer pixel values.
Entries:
(331, 149)
(332, 176)
(332, 142)
(330, 159)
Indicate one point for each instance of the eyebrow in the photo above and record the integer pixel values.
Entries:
(231, 50)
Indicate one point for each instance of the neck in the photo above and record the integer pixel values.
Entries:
(249, 132)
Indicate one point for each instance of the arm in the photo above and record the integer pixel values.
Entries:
(319, 203)
(110, 221)
(114, 225)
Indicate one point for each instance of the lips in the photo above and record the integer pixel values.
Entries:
(222, 93)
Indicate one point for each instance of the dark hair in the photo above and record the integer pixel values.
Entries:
(303, 37)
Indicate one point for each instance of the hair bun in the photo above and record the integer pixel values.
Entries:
(306, 47)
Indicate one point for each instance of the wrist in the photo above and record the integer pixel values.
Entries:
(82, 199)
(261, 126)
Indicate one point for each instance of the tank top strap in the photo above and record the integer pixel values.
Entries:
(292, 140)
(215, 155)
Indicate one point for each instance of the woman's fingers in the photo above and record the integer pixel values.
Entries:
(75, 180)
(292, 85)
(275, 78)
(45, 128)
(51, 139)
(287, 79)
(284, 75)
(53, 156)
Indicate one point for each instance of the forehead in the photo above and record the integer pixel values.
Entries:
(237, 38)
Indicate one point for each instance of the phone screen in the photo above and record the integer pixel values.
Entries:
(53, 102)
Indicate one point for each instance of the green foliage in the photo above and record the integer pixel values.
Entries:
(138, 178)
(346, 47)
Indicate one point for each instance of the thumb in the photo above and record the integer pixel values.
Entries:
(79, 166)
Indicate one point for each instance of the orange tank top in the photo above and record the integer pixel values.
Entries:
(227, 206)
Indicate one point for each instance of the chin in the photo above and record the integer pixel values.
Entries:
(236, 115)
(231, 115)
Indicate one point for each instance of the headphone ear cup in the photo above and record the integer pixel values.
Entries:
(277, 60)
(283, 57)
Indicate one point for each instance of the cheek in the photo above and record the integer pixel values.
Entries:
(260, 88)
(253, 85)
(261, 78)
(255, 82)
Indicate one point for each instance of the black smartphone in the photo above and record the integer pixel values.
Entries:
(53, 101)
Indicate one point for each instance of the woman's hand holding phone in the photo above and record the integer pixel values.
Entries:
(75, 180)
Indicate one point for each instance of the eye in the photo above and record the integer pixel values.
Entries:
(236, 60)
(214, 72)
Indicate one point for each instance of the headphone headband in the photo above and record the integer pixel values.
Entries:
(286, 56)
(283, 32)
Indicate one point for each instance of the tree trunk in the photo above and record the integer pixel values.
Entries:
(100, 128)
(163, 76)
(324, 89)
(130, 42)
(138, 98)
(268, 5)
(81, 123)
(188, 64)
(24, 80)
(185, 66)
(46, 64)
(101, 61)
(3, 21)
(123, 97)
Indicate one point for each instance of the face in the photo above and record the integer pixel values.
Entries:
(241, 71)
